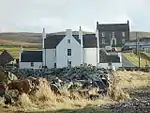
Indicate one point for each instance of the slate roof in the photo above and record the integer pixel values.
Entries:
(145, 39)
(89, 41)
(5, 58)
(104, 58)
(112, 27)
(73, 33)
(31, 56)
(51, 41)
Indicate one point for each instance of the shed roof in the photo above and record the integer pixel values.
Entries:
(31, 56)
(5, 58)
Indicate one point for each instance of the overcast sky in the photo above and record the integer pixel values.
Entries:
(58, 15)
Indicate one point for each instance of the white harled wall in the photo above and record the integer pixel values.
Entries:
(90, 56)
(50, 57)
(27, 65)
(61, 51)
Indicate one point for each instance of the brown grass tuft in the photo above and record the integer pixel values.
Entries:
(45, 99)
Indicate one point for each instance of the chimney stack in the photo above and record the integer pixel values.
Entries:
(128, 22)
(43, 37)
(81, 40)
(21, 51)
(68, 32)
(98, 45)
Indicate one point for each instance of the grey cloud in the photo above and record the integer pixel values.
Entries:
(56, 15)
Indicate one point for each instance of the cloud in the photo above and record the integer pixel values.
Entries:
(57, 15)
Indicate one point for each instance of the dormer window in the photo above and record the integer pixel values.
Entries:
(69, 41)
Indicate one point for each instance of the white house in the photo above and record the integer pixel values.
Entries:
(67, 49)
(31, 59)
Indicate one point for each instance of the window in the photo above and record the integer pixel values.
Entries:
(103, 34)
(69, 63)
(69, 52)
(123, 41)
(32, 64)
(113, 42)
(69, 41)
(54, 65)
(123, 34)
(103, 41)
(113, 34)
(109, 64)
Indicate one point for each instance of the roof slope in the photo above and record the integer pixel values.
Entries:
(51, 41)
(5, 58)
(31, 56)
(114, 27)
(107, 58)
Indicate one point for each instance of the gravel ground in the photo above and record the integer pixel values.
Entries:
(140, 103)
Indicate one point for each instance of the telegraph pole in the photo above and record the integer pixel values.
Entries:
(138, 49)
(136, 44)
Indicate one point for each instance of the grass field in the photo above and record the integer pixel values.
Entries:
(11, 42)
(14, 51)
(131, 57)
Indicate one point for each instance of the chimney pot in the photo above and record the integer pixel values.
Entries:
(68, 32)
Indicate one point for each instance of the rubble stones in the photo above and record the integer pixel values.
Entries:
(133, 106)
(139, 104)
(78, 79)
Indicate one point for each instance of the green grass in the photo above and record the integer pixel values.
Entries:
(131, 57)
(83, 110)
(14, 51)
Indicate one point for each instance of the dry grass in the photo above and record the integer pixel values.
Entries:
(116, 92)
(45, 100)
(133, 79)
(140, 33)
(11, 42)
(14, 51)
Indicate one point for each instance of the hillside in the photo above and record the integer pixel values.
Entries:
(26, 38)
(29, 37)
(141, 34)
(22, 36)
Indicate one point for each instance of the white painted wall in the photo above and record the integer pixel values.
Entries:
(61, 51)
(105, 65)
(27, 65)
(50, 57)
(90, 56)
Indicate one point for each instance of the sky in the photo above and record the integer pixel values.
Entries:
(58, 15)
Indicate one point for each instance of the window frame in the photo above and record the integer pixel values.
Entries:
(69, 41)
(103, 41)
(69, 52)
(113, 34)
(54, 65)
(32, 64)
(103, 34)
(69, 63)
(123, 34)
